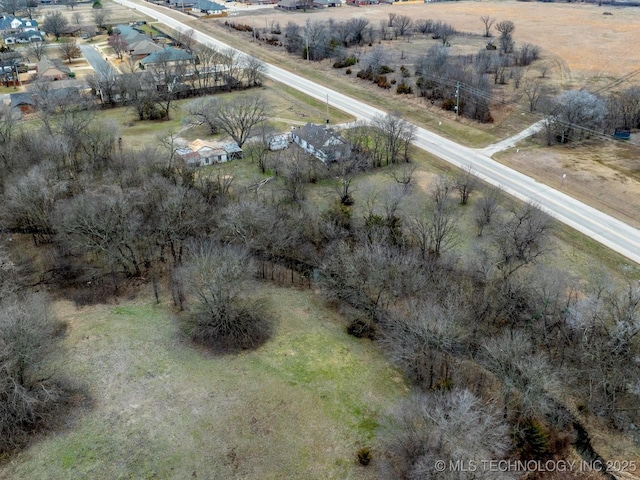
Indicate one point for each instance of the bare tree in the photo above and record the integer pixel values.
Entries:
(186, 38)
(101, 16)
(448, 426)
(77, 18)
(392, 137)
(237, 118)
(465, 182)
(506, 29)
(118, 45)
(255, 70)
(54, 24)
(576, 114)
(28, 398)
(485, 208)
(488, 23)
(223, 315)
(445, 32)
(403, 24)
(69, 49)
(37, 49)
(532, 88)
(522, 238)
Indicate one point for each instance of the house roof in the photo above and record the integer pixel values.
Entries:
(25, 35)
(7, 21)
(319, 136)
(167, 54)
(46, 64)
(206, 5)
(24, 98)
(232, 148)
(144, 47)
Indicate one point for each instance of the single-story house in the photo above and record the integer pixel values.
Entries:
(208, 8)
(50, 70)
(327, 3)
(142, 48)
(288, 4)
(181, 4)
(24, 102)
(71, 31)
(209, 152)
(167, 55)
(321, 142)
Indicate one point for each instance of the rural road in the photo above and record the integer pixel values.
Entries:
(603, 228)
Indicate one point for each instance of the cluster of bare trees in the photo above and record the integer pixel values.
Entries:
(151, 92)
(574, 115)
(29, 398)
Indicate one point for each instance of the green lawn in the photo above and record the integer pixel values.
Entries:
(298, 408)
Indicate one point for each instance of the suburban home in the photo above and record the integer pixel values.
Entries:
(9, 23)
(52, 70)
(207, 7)
(321, 142)
(327, 3)
(24, 37)
(288, 4)
(181, 4)
(23, 102)
(167, 55)
(143, 48)
(359, 3)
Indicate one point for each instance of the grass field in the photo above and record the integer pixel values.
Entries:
(297, 408)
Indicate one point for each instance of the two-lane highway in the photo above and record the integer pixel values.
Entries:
(603, 228)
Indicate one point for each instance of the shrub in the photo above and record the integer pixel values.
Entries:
(386, 69)
(403, 88)
(345, 62)
(382, 81)
(366, 74)
(405, 71)
(364, 456)
(362, 328)
(348, 71)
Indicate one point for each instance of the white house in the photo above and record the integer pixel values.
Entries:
(321, 142)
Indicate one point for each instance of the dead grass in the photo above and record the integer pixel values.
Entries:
(299, 407)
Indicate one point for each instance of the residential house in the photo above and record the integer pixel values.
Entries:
(24, 37)
(167, 55)
(181, 4)
(23, 102)
(321, 142)
(143, 48)
(209, 153)
(327, 3)
(9, 23)
(288, 4)
(52, 70)
(206, 7)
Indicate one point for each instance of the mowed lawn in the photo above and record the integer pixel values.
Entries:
(297, 408)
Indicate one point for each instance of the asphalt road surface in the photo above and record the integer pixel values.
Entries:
(603, 228)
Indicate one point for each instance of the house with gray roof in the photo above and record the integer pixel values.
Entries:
(321, 142)
(207, 7)
(167, 55)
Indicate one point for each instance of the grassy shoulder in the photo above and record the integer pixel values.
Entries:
(298, 407)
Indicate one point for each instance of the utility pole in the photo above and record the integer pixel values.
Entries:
(327, 108)
(457, 98)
